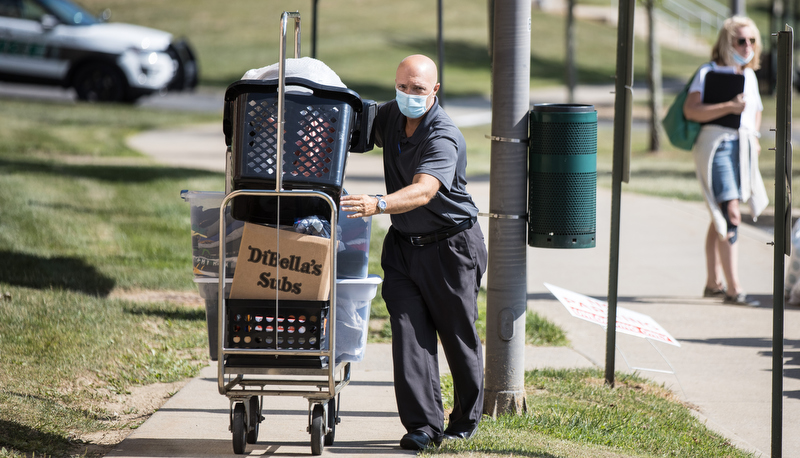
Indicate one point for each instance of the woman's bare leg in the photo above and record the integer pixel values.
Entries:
(729, 257)
(714, 272)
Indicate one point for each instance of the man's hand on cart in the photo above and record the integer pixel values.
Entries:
(360, 204)
(422, 189)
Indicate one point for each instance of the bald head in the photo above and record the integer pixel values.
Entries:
(420, 67)
(416, 76)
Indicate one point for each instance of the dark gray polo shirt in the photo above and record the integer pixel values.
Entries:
(437, 148)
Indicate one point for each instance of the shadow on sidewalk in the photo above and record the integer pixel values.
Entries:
(765, 299)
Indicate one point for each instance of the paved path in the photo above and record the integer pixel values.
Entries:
(723, 366)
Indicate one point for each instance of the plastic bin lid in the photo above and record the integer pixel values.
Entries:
(370, 280)
(211, 280)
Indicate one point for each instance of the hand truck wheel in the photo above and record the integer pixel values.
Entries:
(239, 428)
(317, 429)
(255, 419)
(331, 422)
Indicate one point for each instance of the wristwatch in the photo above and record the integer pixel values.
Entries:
(381, 203)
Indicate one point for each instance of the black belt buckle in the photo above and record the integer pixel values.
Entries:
(417, 240)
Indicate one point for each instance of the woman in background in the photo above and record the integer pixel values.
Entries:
(726, 158)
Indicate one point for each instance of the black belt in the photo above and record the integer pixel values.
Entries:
(421, 240)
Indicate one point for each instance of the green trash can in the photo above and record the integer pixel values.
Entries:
(562, 176)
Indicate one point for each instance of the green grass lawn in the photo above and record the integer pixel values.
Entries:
(571, 414)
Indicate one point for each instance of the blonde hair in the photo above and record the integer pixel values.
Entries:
(721, 53)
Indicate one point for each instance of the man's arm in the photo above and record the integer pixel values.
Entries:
(422, 189)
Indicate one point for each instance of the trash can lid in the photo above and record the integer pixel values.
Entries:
(563, 107)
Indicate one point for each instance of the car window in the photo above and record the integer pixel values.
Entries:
(68, 13)
(11, 8)
(32, 10)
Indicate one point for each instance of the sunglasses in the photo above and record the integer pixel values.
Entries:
(743, 41)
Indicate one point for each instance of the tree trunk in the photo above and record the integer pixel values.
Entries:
(654, 81)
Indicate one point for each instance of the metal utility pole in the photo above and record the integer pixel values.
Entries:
(571, 71)
(623, 99)
(783, 226)
(314, 28)
(507, 272)
(737, 7)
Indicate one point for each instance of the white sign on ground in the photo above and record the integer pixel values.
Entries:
(595, 311)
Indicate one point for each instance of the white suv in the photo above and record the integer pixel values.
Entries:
(56, 42)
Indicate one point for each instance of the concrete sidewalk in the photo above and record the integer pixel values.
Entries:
(722, 368)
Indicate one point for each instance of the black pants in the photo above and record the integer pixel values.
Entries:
(432, 290)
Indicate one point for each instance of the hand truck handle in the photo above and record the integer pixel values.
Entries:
(282, 87)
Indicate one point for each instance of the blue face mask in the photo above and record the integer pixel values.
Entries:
(412, 106)
(742, 61)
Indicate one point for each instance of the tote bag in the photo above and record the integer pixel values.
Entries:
(681, 132)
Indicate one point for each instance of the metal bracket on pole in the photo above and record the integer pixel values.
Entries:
(501, 216)
(495, 138)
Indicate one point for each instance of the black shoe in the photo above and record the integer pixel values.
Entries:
(417, 440)
(740, 299)
(448, 435)
(710, 292)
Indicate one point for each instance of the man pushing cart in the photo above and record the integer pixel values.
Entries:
(293, 314)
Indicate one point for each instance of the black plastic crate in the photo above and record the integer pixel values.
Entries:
(298, 325)
(319, 126)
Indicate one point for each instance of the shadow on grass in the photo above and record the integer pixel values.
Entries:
(173, 313)
(473, 56)
(664, 173)
(457, 53)
(108, 173)
(29, 440)
(498, 452)
(74, 274)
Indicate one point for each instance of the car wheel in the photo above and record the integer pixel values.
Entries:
(186, 73)
(100, 83)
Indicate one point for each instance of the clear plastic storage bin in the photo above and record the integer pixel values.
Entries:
(352, 260)
(353, 298)
(205, 234)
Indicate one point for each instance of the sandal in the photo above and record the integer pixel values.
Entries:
(709, 292)
(740, 299)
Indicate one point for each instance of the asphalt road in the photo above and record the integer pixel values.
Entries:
(201, 100)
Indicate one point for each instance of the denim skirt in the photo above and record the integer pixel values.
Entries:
(725, 180)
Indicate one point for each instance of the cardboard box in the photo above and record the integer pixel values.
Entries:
(300, 271)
